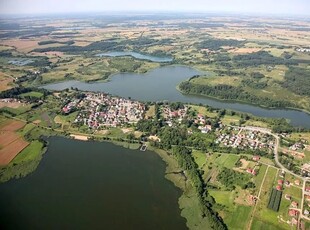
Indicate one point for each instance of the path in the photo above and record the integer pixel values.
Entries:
(258, 197)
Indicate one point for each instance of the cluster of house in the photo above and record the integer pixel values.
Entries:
(202, 122)
(12, 100)
(102, 110)
(297, 146)
(171, 115)
(246, 139)
(179, 114)
(254, 171)
(303, 50)
(70, 106)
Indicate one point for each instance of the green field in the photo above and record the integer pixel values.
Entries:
(24, 163)
(200, 158)
(32, 94)
(235, 216)
(227, 160)
(262, 215)
(260, 176)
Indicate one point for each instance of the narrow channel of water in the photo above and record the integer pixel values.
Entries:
(160, 84)
(92, 185)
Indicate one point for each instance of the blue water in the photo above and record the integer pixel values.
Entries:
(160, 84)
(136, 55)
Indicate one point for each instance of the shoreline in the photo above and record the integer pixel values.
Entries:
(243, 102)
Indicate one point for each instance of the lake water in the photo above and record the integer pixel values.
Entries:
(136, 55)
(160, 84)
(92, 185)
(20, 62)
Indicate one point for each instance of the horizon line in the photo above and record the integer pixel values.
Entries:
(137, 12)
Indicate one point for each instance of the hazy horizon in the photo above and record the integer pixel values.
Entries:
(272, 7)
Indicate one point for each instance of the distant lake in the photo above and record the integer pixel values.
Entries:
(20, 61)
(92, 185)
(136, 55)
(160, 84)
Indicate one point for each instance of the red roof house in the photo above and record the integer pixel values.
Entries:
(292, 212)
(294, 204)
(256, 158)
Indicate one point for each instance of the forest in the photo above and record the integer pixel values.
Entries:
(228, 92)
(297, 80)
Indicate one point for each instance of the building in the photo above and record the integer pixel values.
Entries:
(288, 197)
(292, 212)
(294, 204)
(297, 182)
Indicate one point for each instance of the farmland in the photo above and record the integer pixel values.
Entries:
(11, 143)
(225, 172)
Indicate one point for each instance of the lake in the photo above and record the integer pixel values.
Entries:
(160, 84)
(136, 55)
(92, 185)
(21, 61)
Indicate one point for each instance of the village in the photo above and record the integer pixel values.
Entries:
(237, 137)
(102, 110)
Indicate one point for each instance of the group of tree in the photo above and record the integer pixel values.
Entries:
(107, 45)
(217, 44)
(231, 178)
(229, 92)
(297, 80)
(206, 201)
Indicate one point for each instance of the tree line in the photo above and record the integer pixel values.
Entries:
(228, 92)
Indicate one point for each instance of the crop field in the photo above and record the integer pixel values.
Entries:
(262, 215)
(10, 142)
(11, 150)
(260, 176)
(275, 200)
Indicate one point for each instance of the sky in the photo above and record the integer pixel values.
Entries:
(284, 7)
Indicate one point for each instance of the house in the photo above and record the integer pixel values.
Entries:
(288, 197)
(297, 182)
(287, 183)
(308, 198)
(256, 158)
(249, 170)
(279, 187)
(294, 221)
(280, 182)
(307, 189)
(294, 204)
(292, 212)
(306, 212)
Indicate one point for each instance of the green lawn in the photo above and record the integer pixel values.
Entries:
(239, 218)
(32, 94)
(200, 158)
(259, 225)
(29, 153)
(26, 129)
(264, 216)
(295, 192)
(224, 197)
(259, 178)
(24, 163)
(235, 216)
(227, 160)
